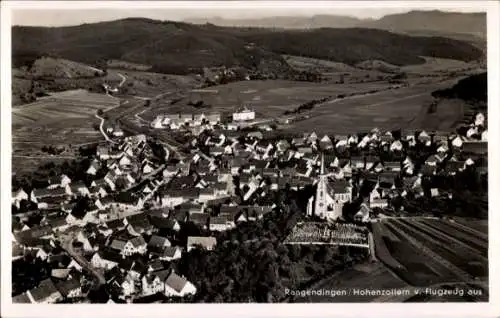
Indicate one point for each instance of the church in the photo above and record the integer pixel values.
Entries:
(330, 197)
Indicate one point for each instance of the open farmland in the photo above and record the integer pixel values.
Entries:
(389, 109)
(268, 98)
(438, 65)
(359, 277)
(63, 120)
(62, 105)
(68, 134)
(431, 251)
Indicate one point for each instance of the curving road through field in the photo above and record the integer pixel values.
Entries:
(101, 128)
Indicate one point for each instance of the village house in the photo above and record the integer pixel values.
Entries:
(158, 242)
(136, 245)
(78, 188)
(39, 195)
(207, 243)
(153, 283)
(174, 197)
(363, 214)
(21, 299)
(70, 288)
(243, 115)
(176, 285)
(200, 219)
(169, 253)
(457, 141)
(60, 181)
(44, 293)
(19, 196)
(221, 223)
(106, 259)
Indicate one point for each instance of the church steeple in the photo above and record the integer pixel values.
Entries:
(322, 164)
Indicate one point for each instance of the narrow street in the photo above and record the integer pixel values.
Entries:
(68, 247)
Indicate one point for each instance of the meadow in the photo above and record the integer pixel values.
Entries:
(268, 98)
(431, 251)
(390, 109)
(60, 106)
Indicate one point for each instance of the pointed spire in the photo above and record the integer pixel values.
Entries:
(322, 163)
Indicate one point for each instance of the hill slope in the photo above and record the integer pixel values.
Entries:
(355, 45)
(434, 21)
(179, 48)
(472, 88)
(48, 67)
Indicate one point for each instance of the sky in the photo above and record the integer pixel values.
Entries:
(41, 16)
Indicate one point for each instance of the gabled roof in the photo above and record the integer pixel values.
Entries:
(57, 192)
(170, 251)
(118, 244)
(158, 241)
(222, 219)
(476, 147)
(204, 241)
(65, 287)
(110, 255)
(138, 241)
(21, 299)
(162, 275)
(116, 224)
(44, 290)
(177, 215)
(199, 218)
(176, 282)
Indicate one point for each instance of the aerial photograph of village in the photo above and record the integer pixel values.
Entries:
(279, 157)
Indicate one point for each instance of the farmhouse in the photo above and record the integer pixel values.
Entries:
(207, 243)
(45, 293)
(243, 115)
(176, 285)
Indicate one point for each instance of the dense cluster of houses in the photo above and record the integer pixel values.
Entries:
(130, 230)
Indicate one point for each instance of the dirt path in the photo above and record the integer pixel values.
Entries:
(101, 128)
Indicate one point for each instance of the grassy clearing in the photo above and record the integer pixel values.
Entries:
(270, 98)
(307, 63)
(392, 109)
(437, 65)
(148, 84)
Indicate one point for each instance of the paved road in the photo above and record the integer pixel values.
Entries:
(123, 79)
(68, 247)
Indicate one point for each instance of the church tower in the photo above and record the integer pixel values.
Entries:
(324, 203)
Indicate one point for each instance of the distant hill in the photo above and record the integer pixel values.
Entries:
(433, 21)
(180, 48)
(457, 25)
(287, 22)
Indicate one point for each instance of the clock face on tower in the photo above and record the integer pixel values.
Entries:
(321, 205)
